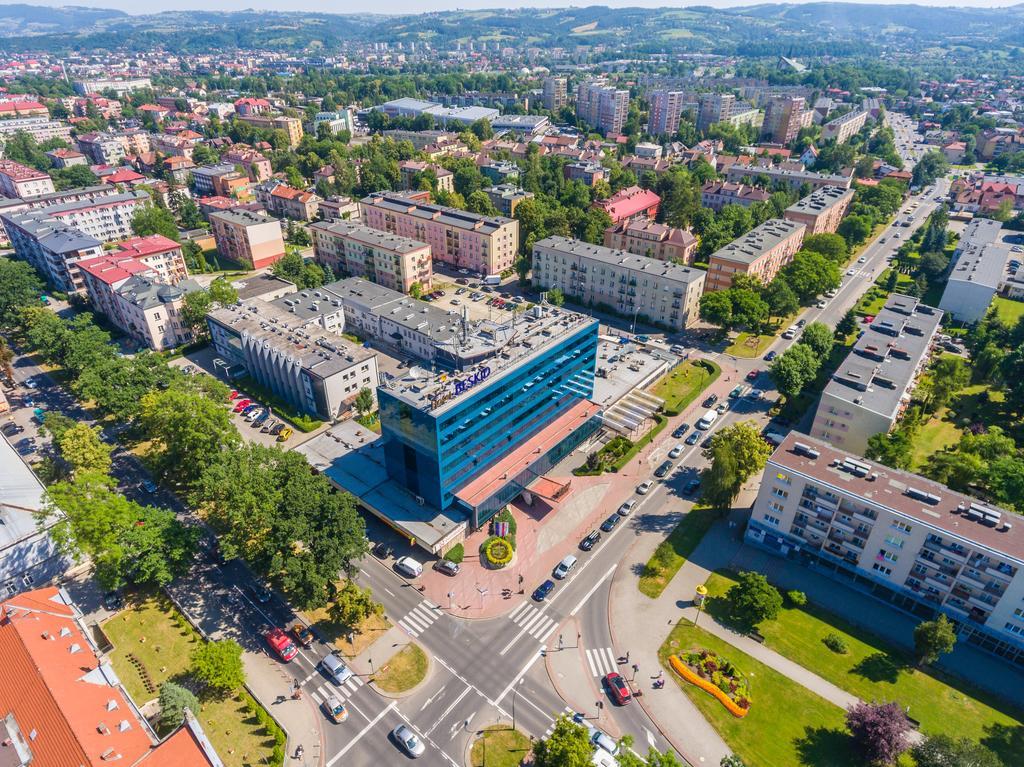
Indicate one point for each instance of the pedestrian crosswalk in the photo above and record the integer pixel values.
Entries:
(533, 621)
(601, 661)
(327, 690)
(419, 618)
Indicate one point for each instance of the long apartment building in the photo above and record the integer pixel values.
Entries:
(761, 252)
(648, 238)
(387, 259)
(16, 205)
(977, 271)
(317, 371)
(634, 286)
(822, 210)
(900, 537)
(120, 86)
(292, 126)
(845, 127)
(793, 179)
(17, 180)
(717, 194)
(872, 387)
(602, 106)
(250, 239)
(482, 244)
(39, 128)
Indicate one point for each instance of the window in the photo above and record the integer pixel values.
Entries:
(1014, 628)
(888, 556)
(881, 569)
(771, 520)
(779, 493)
(895, 540)
(777, 507)
(903, 526)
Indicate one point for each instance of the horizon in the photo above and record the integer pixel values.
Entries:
(413, 7)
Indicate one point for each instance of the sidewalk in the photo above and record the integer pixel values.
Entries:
(267, 681)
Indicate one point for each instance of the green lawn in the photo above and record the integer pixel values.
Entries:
(672, 553)
(405, 670)
(151, 631)
(874, 671)
(935, 435)
(749, 346)
(787, 725)
(499, 746)
(1009, 311)
(684, 383)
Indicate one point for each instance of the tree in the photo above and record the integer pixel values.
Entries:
(749, 310)
(351, 605)
(931, 165)
(944, 751)
(794, 369)
(556, 297)
(218, 665)
(847, 324)
(73, 177)
(84, 450)
(753, 600)
(819, 338)
(20, 287)
(744, 442)
(126, 542)
(174, 699)
(933, 639)
(948, 376)
(364, 401)
(1005, 480)
(854, 229)
(199, 302)
(568, 745)
(956, 469)
(879, 732)
(810, 274)
(478, 202)
(720, 482)
(716, 309)
(731, 761)
(154, 220)
(6, 360)
(830, 245)
(895, 449)
(781, 299)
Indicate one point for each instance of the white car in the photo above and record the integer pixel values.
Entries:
(820, 305)
(676, 451)
(862, 260)
(409, 567)
(644, 487)
(627, 507)
(254, 414)
(850, 272)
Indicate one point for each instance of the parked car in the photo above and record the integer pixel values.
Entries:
(149, 485)
(706, 443)
(721, 407)
(564, 567)
(282, 646)
(260, 593)
(609, 524)
(753, 374)
(408, 741)
(335, 669)
(302, 634)
(113, 601)
(269, 425)
(663, 469)
(255, 413)
(755, 394)
(590, 541)
(626, 508)
(382, 550)
(334, 710)
(691, 487)
(681, 430)
(676, 451)
(11, 428)
(543, 590)
(249, 409)
(770, 356)
(644, 487)
(617, 688)
(284, 434)
(693, 438)
(242, 404)
(261, 418)
(710, 401)
(447, 567)
(737, 391)
(278, 428)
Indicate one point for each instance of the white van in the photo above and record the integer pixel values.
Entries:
(707, 420)
(565, 567)
(492, 279)
(409, 566)
(338, 672)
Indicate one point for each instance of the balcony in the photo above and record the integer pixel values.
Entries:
(956, 611)
(981, 603)
(995, 572)
(945, 551)
(971, 581)
(936, 583)
(846, 527)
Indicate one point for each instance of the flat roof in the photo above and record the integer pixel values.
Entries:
(759, 240)
(243, 217)
(980, 257)
(21, 495)
(820, 200)
(259, 285)
(885, 359)
(621, 259)
(374, 238)
(750, 170)
(459, 219)
(886, 487)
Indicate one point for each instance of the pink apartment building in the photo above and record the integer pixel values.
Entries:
(157, 252)
(481, 244)
(632, 202)
(247, 238)
(17, 180)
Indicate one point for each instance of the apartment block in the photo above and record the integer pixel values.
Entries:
(39, 128)
(717, 194)
(761, 252)
(156, 252)
(555, 93)
(53, 248)
(500, 171)
(247, 238)
(634, 286)
(977, 271)
(316, 371)
(783, 118)
(629, 203)
(602, 106)
(292, 126)
(872, 387)
(844, 127)
(423, 139)
(286, 201)
(904, 539)
(666, 111)
(713, 108)
(358, 251)
(339, 208)
(821, 210)
(15, 205)
(647, 238)
(17, 180)
(410, 172)
(506, 197)
(482, 244)
(336, 122)
(252, 162)
(589, 172)
(791, 178)
(205, 179)
(120, 86)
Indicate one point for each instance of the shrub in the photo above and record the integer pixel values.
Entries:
(796, 598)
(497, 551)
(835, 643)
(456, 553)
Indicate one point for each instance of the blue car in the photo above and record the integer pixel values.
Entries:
(542, 591)
(248, 409)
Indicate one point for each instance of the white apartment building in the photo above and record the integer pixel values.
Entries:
(17, 180)
(634, 286)
(977, 271)
(902, 538)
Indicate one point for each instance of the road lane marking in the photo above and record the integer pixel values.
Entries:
(369, 726)
(448, 710)
(593, 588)
(533, 659)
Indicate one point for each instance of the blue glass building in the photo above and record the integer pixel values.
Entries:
(443, 431)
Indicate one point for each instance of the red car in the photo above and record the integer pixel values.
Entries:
(242, 404)
(282, 646)
(753, 374)
(235, 394)
(868, 319)
(618, 688)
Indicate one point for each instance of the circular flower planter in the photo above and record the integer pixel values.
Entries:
(497, 552)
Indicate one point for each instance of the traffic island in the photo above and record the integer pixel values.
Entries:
(499, 746)
(403, 673)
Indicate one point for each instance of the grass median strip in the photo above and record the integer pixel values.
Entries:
(674, 550)
(684, 383)
(499, 746)
(405, 670)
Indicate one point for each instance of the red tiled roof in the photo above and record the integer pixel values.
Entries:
(146, 246)
(18, 172)
(628, 202)
(112, 268)
(122, 176)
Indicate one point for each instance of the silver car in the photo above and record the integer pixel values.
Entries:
(409, 741)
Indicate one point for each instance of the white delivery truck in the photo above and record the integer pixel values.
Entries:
(492, 279)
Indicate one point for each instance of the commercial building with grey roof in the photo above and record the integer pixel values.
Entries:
(791, 178)
(872, 387)
(977, 271)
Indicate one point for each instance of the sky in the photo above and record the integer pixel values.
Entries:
(420, 6)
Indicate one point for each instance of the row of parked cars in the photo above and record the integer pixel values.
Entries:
(259, 416)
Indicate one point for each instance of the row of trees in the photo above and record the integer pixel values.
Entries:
(798, 366)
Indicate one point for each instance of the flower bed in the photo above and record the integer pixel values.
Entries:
(716, 676)
(497, 551)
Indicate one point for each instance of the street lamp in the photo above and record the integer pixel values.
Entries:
(515, 692)
(701, 595)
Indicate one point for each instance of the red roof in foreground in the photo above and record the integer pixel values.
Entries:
(122, 176)
(628, 202)
(114, 267)
(146, 246)
(70, 709)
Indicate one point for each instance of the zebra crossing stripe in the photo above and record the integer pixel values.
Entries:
(528, 623)
(523, 607)
(590, 662)
(543, 625)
